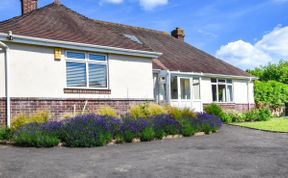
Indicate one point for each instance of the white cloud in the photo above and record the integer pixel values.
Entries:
(271, 48)
(151, 4)
(275, 42)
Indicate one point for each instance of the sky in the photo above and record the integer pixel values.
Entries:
(245, 33)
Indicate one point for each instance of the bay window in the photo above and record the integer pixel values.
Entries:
(86, 70)
(222, 90)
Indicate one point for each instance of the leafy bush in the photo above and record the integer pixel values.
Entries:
(277, 72)
(89, 130)
(131, 128)
(148, 134)
(146, 110)
(187, 128)
(270, 94)
(263, 114)
(164, 125)
(5, 134)
(236, 116)
(214, 109)
(22, 119)
(32, 135)
(107, 111)
(227, 118)
(179, 114)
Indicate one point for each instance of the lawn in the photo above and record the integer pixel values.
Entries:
(276, 125)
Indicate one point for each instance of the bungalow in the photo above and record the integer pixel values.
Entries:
(56, 59)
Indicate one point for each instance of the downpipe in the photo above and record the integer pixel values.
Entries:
(7, 90)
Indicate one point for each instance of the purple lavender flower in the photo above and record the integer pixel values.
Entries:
(213, 121)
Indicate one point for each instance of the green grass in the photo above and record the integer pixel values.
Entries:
(276, 125)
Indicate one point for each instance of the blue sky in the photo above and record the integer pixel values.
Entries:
(246, 33)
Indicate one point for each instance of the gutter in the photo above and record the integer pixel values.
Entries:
(78, 46)
(7, 87)
(215, 75)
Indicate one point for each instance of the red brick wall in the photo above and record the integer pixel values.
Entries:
(59, 107)
(237, 107)
(28, 6)
(2, 111)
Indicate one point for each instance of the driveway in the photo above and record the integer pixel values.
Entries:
(232, 152)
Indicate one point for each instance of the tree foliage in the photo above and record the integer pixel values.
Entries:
(272, 93)
(272, 89)
(277, 72)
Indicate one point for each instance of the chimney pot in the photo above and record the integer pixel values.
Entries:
(178, 33)
(28, 6)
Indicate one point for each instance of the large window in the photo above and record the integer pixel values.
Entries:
(86, 70)
(185, 88)
(196, 88)
(222, 90)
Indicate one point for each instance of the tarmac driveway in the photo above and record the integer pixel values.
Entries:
(232, 152)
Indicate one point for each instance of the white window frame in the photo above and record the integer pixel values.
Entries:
(191, 80)
(217, 83)
(87, 61)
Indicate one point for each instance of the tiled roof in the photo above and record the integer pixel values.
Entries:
(60, 23)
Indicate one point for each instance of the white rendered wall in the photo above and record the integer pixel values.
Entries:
(239, 87)
(35, 73)
(206, 90)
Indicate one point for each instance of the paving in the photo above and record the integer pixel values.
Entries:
(232, 152)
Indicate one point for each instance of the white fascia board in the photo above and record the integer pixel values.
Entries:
(78, 46)
(214, 75)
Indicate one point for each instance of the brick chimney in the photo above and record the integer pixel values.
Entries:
(28, 6)
(178, 33)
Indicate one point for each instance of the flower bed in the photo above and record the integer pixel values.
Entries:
(93, 130)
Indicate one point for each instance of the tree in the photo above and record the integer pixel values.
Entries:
(272, 89)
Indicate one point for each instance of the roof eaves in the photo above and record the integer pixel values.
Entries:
(78, 46)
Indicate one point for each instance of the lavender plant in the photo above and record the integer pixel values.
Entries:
(164, 125)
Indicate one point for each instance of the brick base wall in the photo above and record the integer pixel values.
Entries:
(59, 107)
(237, 107)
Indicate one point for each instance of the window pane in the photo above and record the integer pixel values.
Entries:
(76, 74)
(214, 93)
(95, 57)
(74, 55)
(185, 88)
(229, 81)
(222, 93)
(97, 76)
(229, 93)
(196, 89)
(174, 88)
(213, 80)
(221, 81)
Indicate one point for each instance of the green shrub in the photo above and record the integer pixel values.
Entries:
(180, 114)
(227, 118)
(128, 136)
(236, 116)
(22, 119)
(187, 128)
(5, 134)
(263, 114)
(107, 111)
(214, 109)
(32, 135)
(206, 128)
(147, 134)
(146, 110)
